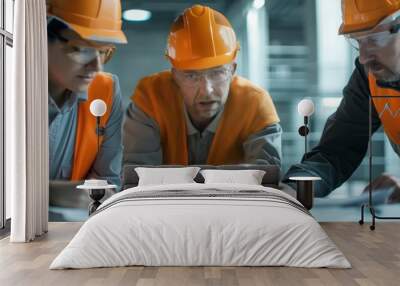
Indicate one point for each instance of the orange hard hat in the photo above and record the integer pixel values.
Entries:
(96, 20)
(361, 15)
(201, 38)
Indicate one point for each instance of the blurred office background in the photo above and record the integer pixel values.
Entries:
(289, 47)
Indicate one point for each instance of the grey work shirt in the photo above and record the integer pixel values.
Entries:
(62, 133)
(142, 144)
(344, 141)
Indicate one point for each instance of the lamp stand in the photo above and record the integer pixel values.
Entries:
(99, 132)
(303, 131)
(370, 205)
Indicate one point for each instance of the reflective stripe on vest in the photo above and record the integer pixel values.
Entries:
(85, 151)
(248, 110)
(388, 108)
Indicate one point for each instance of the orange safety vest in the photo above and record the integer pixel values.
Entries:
(388, 108)
(247, 110)
(85, 151)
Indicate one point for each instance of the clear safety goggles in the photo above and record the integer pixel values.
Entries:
(84, 52)
(215, 76)
(379, 37)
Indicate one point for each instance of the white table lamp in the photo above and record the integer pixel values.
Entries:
(98, 108)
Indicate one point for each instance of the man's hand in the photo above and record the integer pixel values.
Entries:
(386, 182)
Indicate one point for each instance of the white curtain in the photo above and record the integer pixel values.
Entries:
(27, 124)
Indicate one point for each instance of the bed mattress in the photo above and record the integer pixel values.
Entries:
(201, 225)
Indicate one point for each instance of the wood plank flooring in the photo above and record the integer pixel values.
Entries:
(375, 257)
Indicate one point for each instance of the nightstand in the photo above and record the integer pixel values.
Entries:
(97, 190)
(305, 190)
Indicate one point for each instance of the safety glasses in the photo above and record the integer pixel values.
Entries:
(84, 52)
(379, 37)
(194, 78)
(373, 41)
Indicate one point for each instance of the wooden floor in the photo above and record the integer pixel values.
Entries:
(375, 257)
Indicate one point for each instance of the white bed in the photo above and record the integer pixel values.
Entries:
(221, 225)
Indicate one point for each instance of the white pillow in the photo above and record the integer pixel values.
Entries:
(248, 177)
(163, 176)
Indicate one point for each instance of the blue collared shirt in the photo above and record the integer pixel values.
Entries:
(62, 133)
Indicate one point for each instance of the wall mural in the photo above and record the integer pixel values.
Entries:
(194, 108)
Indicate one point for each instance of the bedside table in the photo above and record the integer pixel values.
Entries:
(305, 190)
(96, 192)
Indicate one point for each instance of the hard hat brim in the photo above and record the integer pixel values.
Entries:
(349, 29)
(108, 36)
(98, 35)
(203, 63)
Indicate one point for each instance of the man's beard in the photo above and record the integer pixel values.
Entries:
(387, 76)
(390, 79)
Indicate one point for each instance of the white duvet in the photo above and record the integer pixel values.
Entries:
(206, 230)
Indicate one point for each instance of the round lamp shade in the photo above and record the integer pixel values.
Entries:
(98, 107)
(305, 107)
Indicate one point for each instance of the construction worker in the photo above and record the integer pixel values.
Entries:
(81, 38)
(199, 112)
(373, 29)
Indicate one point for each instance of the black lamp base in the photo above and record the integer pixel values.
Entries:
(305, 190)
(96, 195)
(305, 193)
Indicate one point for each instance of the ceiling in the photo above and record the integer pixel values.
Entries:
(171, 6)
(168, 10)
(282, 11)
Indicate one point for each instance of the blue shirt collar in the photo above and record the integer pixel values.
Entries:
(212, 127)
(69, 104)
